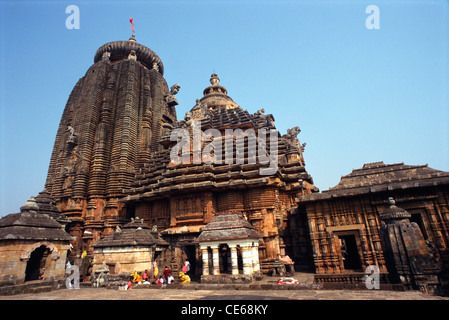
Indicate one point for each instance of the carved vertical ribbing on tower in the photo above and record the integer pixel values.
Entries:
(123, 153)
(97, 183)
(87, 123)
(145, 127)
(54, 178)
(158, 104)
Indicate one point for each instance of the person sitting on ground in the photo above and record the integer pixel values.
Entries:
(185, 279)
(170, 279)
(130, 283)
(160, 281)
(137, 278)
(146, 276)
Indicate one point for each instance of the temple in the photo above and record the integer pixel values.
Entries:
(113, 159)
(136, 189)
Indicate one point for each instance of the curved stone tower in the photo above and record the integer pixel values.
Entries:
(110, 126)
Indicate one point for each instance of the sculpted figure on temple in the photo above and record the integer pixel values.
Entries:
(170, 97)
(291, 137)
(174, 89)
(72, 137)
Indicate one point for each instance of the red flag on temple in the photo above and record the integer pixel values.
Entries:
(132, 24)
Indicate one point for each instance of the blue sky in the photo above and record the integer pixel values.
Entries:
(358, 95)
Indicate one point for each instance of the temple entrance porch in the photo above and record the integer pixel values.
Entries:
(229, 262)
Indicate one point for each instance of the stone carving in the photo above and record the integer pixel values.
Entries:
(199, 111)
(170, 97)
(174, 89)
(72, 135)
(291, 137)
(50, 246)
(106, 55)
(132, 55)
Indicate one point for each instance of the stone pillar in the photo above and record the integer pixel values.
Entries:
(216, 261)
(256, 265)
(247, 261)
(205, 255)
(234, 261)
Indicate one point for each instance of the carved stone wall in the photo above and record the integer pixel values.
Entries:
(351, 212)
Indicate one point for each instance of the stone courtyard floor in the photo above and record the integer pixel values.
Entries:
(227, 304)
(232, 295)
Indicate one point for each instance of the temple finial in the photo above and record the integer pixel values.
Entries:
(214, 80)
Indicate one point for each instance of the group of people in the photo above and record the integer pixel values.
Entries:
(166, 279)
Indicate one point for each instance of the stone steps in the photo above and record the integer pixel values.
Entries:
(36, 286)
(39, 289)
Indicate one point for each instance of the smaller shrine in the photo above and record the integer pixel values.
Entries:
(408, 258)
(230, 249)
(133, 247)
(33, 247)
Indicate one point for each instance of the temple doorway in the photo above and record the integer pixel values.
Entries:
(190, 253)
(349, 252)
(36, 264)
(225, 259)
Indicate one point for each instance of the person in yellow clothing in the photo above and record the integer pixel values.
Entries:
(185, 279)
(136, 277)
(155, 269)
